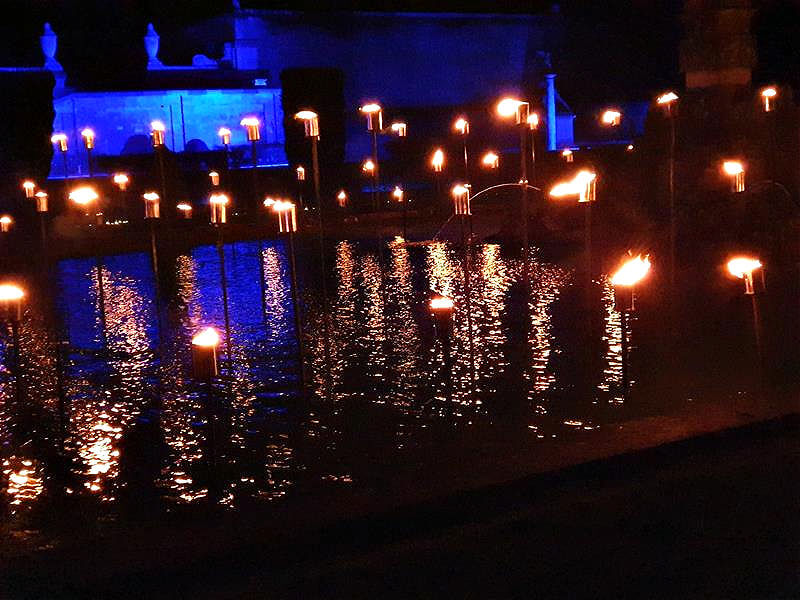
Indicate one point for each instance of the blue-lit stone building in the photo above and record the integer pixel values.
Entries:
(410, 62)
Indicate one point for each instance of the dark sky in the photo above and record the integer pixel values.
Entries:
(615, 49)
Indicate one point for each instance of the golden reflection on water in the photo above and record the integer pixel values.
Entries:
(612, 339)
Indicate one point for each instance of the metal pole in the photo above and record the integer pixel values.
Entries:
(160, 152)
(672, 215)
(298, 326)
(224, 286)
(254, 159)
(624, 327)
(375, 177)
(466, 161)
(17, 361)
(315, 171)
(89, 161)
(66, 168)
(757, 338)
(523, 164)
(101, 297)
(587, 243)
(468, 296)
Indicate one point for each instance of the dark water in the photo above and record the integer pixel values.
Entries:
(133, 427)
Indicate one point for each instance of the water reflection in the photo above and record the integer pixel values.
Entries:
(138, 432)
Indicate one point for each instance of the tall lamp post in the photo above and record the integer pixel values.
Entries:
(668, 101)
(253, 128)
(287, 224)
(461, 127)
(84, 197)
(374, 115)
(218, 204)
(462, 208)
(743, 267)
(625, 280)
(519, 110)
(583, 185)
(225, 137)
(88, 142)
(310, 121)
(157, 130)
(60, 141)
(399, 195)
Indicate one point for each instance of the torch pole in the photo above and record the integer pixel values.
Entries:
(523, 164)
(224, 286)
(101, 297)
(375, 176)
(757, 338)
(672, 216)
(89, 161)
(298, 326)
(624, 357)
(587, 245)
(468, 296)
(43, 233)
(326, 316)
(254, 160)
(405, 218)
(17, 361)
(66, 168)
(160, 152)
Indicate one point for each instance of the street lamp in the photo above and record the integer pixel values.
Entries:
(767, 95)
(611, 117)
(625, 281)
(490, 160)
(204, 354)
(60, 140)
(29, 187)
(735, 170)
(88, 141)
(311, 127)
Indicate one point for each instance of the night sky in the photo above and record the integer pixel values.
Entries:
(614, 50)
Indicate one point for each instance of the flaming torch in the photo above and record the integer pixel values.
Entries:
(742, 267)
(768, 95)
(735, 170)
(625, 281)
(219, 208)
(5, 223)
(60, 140)
(204, 355)
(29, 187)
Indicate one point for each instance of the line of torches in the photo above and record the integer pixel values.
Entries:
(583, 185)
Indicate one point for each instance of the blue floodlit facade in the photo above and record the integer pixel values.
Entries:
(410, 62)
